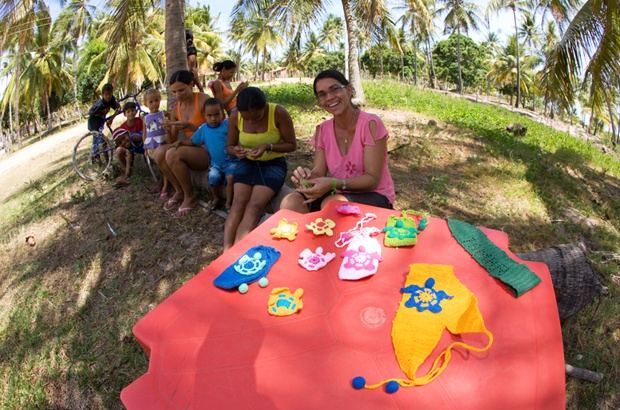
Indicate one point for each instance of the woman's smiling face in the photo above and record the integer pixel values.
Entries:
(332, 95)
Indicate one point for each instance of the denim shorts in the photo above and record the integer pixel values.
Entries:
(268, 173)
(219, 172)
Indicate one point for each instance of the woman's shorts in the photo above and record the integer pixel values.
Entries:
(366, 198)
(268, 173)
(219, 172)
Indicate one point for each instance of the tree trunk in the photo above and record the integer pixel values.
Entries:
(514, 14)
(574, 281)
(458, 58)
(16, 96)
(176, 52)
(415, 56)
(354, 68)
(47, 109)
(431, 73)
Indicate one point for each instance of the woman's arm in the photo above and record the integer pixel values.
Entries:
(232, 141)
(172, 132)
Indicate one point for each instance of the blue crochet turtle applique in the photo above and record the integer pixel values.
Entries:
(250, 267)
(425, 298)
(400, 231)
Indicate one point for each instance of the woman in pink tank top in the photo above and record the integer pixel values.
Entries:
(350, 160)
(174, 160)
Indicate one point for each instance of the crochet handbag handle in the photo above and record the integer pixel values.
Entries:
(424, 220)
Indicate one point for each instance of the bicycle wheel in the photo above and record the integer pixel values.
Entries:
(92, 155)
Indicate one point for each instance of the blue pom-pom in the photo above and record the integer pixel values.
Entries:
(391, 386)
(358, 383)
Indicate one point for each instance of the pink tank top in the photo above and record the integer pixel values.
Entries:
(352, 164)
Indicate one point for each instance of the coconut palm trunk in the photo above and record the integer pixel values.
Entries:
(514, 14)
(16, 97)
(458, 59)
(354, 68)
(176, 52)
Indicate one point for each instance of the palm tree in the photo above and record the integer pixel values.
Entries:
(261, 31)
(316, 8)
(504, 69)
(312, 49)
(130, 62)
(593, 34)
(529, 31)
(44, 72)
(17, 18)
(383, 30)
(75, 22)
(332, 31)
(460, 15)
(417, 16)
(514, 5)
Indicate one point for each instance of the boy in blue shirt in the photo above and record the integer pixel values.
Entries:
(213, 135)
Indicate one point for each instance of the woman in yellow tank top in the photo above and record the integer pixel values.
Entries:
(259, 134)
(187, 117)
(222, 90)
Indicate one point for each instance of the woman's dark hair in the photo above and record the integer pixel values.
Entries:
(251, 98)
(183, 76)
(227, 64)
(189, 38)
(335, 74)
(212, 101)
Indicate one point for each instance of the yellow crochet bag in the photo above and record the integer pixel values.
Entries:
(433, 300)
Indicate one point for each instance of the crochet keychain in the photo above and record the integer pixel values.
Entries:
(402, 230)
(363, 254)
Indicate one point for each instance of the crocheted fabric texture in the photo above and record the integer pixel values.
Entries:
(517, 276)
(402, 230)
(433, 300)
(253, 265)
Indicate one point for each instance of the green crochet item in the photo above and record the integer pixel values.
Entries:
(517, 276)
(403, 230)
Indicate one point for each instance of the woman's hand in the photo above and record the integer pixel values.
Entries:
(300, 177)
(318, 187)
(182, 124)
(258, 150)
(175, 145)
(240, 151)
(241, 86)
(166, 124)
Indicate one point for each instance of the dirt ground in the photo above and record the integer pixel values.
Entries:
(42, 156)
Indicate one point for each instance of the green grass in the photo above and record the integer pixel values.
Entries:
(68, 304)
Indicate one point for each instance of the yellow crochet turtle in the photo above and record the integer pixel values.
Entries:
(285, 230)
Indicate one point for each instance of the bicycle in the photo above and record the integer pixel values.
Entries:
(93, 153)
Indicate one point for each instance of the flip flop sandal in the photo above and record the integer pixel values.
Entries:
(163, 195)
(170, 204)
(211, 206)
(181, 212)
